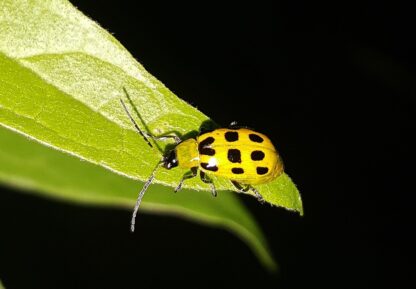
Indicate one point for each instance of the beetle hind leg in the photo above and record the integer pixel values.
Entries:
(257, 194)
(240, 187)
(247, 188)
(206, 179)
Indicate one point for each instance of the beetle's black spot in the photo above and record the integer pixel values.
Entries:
(231, 136)
(209, 168)
(237, 171)
(207, 151)
(262, 170)
(204, 146)
(206, 143)
(234, 155)
(255, 137)
(257, 155)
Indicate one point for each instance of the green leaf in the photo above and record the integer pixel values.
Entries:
(1, 285)
(61, 81)
(61, 78)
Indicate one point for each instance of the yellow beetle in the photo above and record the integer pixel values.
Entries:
(243, 156)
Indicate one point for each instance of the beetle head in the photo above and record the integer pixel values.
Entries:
(170, 160)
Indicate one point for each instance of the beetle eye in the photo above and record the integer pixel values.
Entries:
(170, 160)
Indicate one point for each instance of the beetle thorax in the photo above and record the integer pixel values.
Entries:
(186, 154)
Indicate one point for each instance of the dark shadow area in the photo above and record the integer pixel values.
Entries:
(333, 86)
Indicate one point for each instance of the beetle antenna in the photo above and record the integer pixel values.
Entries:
(134, 122)
(141, 194)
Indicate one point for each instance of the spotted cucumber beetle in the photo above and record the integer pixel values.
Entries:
(243, 156)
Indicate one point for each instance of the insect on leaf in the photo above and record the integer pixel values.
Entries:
(61, 80)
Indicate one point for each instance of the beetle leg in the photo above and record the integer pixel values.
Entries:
(145, 134)
(188, 175)
(257, 194)
(175, 138)
(233, 124)
(243, 189)
(240, 187)
(206, 179)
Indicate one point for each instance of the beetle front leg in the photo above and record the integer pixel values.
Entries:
(188, 175)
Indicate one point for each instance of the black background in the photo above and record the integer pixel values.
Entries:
(333, 86)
